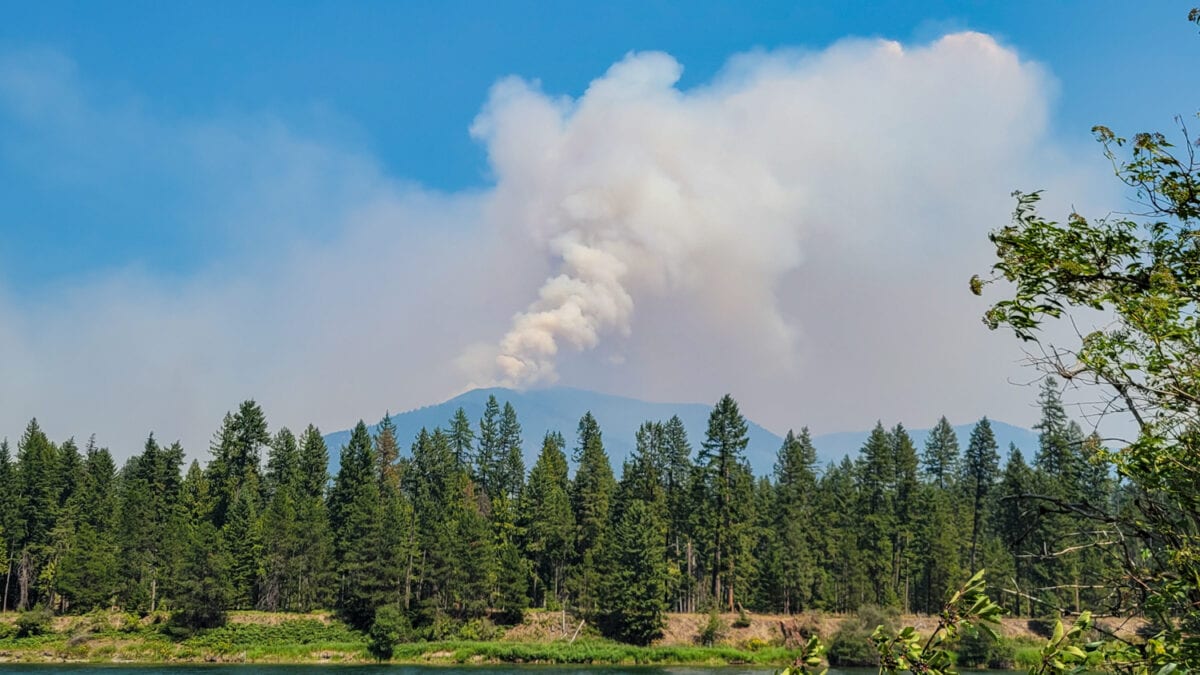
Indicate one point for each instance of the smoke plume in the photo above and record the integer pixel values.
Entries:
(638, 187)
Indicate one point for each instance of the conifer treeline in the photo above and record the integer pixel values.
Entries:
(456, 530)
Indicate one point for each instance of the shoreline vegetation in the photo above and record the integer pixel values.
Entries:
(318, 637)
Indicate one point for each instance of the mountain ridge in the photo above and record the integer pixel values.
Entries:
(559, 409)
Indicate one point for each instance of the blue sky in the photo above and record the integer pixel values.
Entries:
(212, 201)
(403, 80)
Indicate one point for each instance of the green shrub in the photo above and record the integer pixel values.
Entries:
(442, 627)
(1042, 627)
(714, 630)
(743, 620)
(130, 623)
(390, 627)
(974, 648)
(37, 621)
(851, 644)
(481, 629)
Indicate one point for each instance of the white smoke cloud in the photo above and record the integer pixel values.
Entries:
(803, 221)
(708, 195)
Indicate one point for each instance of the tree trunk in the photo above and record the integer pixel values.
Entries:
(7, 578)
(23, 579)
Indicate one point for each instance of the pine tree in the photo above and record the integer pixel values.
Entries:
(396, 545)
(876, 473)
(513, 572)
(36, 509)
(793, 568)
(937, 545)
(243, 532)
(355, 516)
(237, 453)
(150, 524)
(315, 560)
(510, 472)
(487, 457)
(636, 593)
(591, 501)
(282, 539)
(1014, 523)
(548, 522)
(387, 453)
(472, 568)
(981, 467)
(205, 591)
(283, 463)
(677, 475)
(87, 572)
(729, 490)
(940, 459)
(462, 439)
(848, 584)
(905, 461)
(9, 501)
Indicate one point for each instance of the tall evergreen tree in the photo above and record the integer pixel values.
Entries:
(355, 515)
(635, 595)
(205, 590)
(9, 501)
(906, 485)
(237, 454)
(313, 566)
(940, 459)
(37, 508)
(398, 539)
(487, 456)
(876, 474)
(1014, 522)
(87, 574)
(677, 475)
(150, 524)
(981, 468)
(793, 566)
(548, 521)
(591, 501)
(462, 439)
(729, 489)
(282, 540)
(510, 471)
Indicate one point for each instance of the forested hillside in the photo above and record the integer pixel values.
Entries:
(456, 530)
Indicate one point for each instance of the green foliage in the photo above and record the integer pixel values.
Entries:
(714, 630)
(742, 620)
(206, 591)
(389, 627)
(356, 515)
(968, 609)
(592, 495)
(978, 649)
(480, 629)
(1139, 270)
(34, 622)
(636, 594)
(236, 637)
(851, 645)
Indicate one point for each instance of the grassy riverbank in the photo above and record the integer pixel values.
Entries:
(265, 638)
(257, 637)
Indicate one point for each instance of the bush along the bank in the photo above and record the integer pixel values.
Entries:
(851, 644)
(908, 651)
